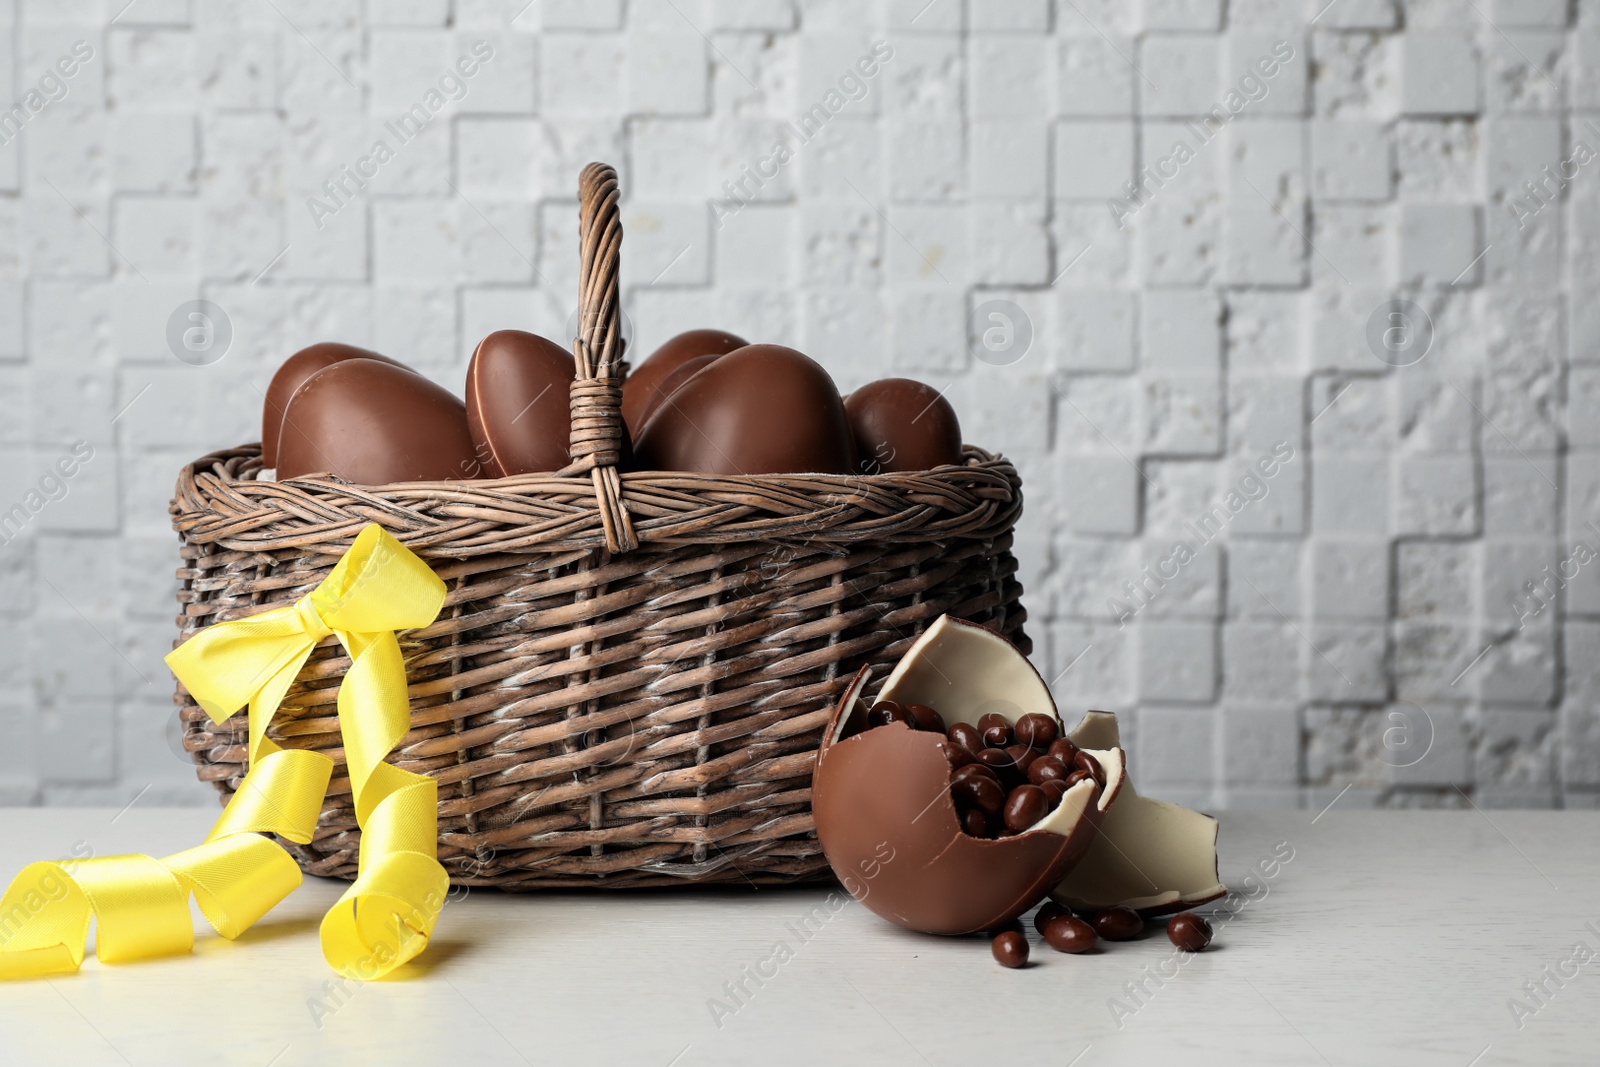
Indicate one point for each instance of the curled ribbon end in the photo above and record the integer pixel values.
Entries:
(140, 905)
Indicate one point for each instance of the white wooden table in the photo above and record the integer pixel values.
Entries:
(1387, 938)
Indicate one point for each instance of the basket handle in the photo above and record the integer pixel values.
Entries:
(596, 395)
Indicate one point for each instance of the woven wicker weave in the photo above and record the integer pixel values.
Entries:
(630, 675)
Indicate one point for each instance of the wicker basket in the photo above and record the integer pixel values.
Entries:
(629, 678)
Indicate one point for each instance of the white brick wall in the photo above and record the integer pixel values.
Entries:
(1356, 608)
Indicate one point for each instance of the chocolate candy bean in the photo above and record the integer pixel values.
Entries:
(1047, 769)
(1037, 731)
(1010, 948)
(1066, 933)
(925, 718)
(1189, 931)
(1025, 806)
(996, 730)
(975, 786)
(1118, 924)
(967, 736)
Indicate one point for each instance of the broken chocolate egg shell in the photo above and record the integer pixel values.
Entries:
(1150, 855)
(886, 792)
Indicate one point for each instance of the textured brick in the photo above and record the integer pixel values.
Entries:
(1094, 331)
(1099, 495)
(1360, 71)
(1441, 73)
(1260, 661)
(1094, 159)
(1347, 662)
(1091, 665)
(1182, 415)
(1440, 244)
(1438, 160)
(1351, 161)
(666, 72)
(1436, 580)
(1010, 158)
(1435, 661)
(1436, 495)
(1093, 76)
(1176, 747)
(1190, 74)
(1009, 76)
(1251, 53)
(1350, 579)
(1180, 332)
(1177, 661)
(1361, 14)
(1525, 71)
(1260, 745)
(1350, 495)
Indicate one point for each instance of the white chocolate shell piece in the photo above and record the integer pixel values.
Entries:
(1097, 729)
(965, 671)
(1150, 855)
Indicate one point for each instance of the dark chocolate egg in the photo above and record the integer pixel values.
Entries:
(669, 384)
(902, 425)
(371, 423)
(518, 403)
(642, 389)
(881, 795)
(291, 376)
(761, 409)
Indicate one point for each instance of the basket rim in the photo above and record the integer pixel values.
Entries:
(219, 501)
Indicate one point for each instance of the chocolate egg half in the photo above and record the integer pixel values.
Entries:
(291, 376)
(886, 792)
(641, 392)
(518, 403)
(903, 425)
(761, 409)
(372, 423)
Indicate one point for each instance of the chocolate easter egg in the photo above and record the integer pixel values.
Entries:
(371, 423)
(518, 406)
(902, 425)
(882, 796)
(291, 376)
(669, 384)
(641, 391)
(761, 409)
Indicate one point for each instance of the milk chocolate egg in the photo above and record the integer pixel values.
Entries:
(881, 796)
(761, 409)
(642, 390)
(669, 384)
(518, 406)
(902, 425)
(371, 423)
(291, 376)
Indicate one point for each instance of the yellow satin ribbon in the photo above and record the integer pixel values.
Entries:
(141, 905)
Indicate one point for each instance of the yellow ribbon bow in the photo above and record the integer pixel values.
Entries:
(141, 905)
